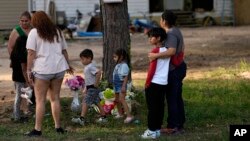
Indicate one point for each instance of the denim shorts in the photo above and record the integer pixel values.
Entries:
(92, 96)
(48, 77)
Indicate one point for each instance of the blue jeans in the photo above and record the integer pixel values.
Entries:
(176, 112)
(117, 84)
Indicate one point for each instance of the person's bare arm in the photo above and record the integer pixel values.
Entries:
(97, 78)
(24, 70)
(12, 40)
(170, 52)
(71, 69)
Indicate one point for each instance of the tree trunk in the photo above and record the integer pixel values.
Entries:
(115, 21)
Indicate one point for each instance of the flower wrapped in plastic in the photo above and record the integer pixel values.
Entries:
(76, 83)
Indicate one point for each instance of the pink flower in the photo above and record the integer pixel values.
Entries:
(75, 83)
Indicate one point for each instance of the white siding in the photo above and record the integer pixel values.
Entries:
(86, 6)
(10, 11)
(137, 6)
(218, 8)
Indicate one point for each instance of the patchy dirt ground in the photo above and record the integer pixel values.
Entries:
(206, 49)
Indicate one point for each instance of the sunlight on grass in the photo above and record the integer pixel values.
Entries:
(229, 73)
(212, 103)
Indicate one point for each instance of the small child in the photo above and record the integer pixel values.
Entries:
(155, 87)
(120, 80)
(19, 76)
(91, 92)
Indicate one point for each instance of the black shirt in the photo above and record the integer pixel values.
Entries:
(18, 56)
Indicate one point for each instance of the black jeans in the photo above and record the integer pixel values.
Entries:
(155, 97)
(176, 112)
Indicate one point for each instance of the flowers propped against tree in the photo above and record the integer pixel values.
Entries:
(75, 83)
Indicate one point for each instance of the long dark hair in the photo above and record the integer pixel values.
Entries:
(122, 54)
(46, 29)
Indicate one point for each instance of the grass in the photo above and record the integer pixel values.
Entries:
(211, 103)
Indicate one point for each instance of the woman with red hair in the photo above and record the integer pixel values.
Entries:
(47, 63)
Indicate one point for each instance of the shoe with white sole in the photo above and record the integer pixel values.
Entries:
(149, 134)
(79, 120)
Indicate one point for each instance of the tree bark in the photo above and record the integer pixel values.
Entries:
(115, 21)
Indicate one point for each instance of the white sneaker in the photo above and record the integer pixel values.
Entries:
(118, 116)
(129, 119)
(102, 120)
(78, 120)
(149, 134)
(158, 133)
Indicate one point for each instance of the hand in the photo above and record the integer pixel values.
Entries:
(30, 78)
(152, 56)
(70, 70)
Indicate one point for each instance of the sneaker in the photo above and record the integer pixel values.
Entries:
(149, 134)
(118, 116)
(158, 133)
(79, 120)
(129, 119)
(20, 120)
(60, 130)
(33, 133)
(102, 120)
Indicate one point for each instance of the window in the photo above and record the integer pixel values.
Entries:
(156, 6)
(206, 5)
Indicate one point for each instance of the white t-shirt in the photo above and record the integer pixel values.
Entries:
(90, 71)
(49, 58)
(162, 69)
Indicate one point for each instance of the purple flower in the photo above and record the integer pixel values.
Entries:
(75, 83)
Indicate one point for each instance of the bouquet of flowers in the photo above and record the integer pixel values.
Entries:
(75, 84)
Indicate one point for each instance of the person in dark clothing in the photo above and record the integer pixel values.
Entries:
(19, 66)
(177, 72)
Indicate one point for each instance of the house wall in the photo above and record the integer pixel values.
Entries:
(10, 11)
(86, 6)
(242, 12)
(174, 4)
(218, 8)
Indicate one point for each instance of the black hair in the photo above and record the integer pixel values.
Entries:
(122, 53)
(170, 17)
(26, 14)
(87, 53)
(158, 32)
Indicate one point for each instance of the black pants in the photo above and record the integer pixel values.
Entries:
(155, 96)
(175, 104)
